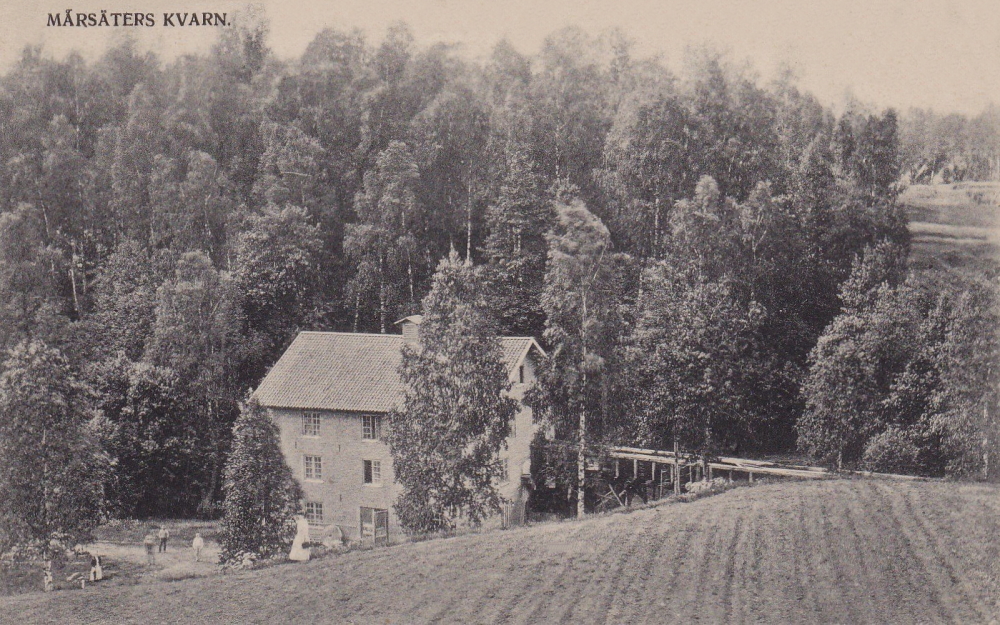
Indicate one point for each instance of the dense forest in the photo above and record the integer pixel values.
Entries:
(698, 252)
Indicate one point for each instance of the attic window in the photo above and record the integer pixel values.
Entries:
(371, 428)
(520, 374)
(310, 424)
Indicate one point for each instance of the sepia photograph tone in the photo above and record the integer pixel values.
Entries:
(524, 311)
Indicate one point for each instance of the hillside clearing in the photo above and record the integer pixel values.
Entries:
(849, 551)
(954, 227)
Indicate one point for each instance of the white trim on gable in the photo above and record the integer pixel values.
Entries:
(527, 350)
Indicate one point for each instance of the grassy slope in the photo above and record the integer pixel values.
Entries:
(955, 227)
(839, 551)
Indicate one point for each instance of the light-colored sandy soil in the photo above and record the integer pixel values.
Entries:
(850, 551)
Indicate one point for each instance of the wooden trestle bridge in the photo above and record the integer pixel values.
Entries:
(654, 473)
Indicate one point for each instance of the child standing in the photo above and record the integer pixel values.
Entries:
(197, 544)
(163, 535)
(149, 541)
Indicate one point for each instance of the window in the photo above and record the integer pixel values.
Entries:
(312, 467)
(520, 374)
(373, 472)
(513, 427)
(310, 424)
(314, 512)
(371, 428)
(504, 470)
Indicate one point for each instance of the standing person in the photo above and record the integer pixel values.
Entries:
(163, 535)
(197, 544)
(149, 541)
(96, 570)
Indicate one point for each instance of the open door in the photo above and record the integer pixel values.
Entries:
(375, 525)
(381, 527)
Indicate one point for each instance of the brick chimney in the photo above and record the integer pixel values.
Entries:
(411, 330)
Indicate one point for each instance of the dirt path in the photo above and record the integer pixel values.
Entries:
(857, 551)
(176, 563)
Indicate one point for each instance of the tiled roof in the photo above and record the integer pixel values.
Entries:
(348, 371)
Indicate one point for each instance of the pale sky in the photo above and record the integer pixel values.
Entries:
(929, 53)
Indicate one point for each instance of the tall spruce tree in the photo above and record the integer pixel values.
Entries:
(446, 438)
(261, 496)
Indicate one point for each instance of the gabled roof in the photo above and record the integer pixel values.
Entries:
(347, 371)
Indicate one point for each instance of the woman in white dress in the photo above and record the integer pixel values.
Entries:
(300, 553)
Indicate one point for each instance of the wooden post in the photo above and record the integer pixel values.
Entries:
(635, 468)
(616, 468)
(986, 448)
(652, 481)
(710, 473)
(676, 469)
(751, 477)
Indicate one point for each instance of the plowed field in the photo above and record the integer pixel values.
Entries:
(850, 551)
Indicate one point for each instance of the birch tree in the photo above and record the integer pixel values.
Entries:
(582, 303)
(50, 461)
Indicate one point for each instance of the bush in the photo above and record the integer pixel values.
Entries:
(892, 451)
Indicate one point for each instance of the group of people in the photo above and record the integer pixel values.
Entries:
(151, 540)
(161, 537)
